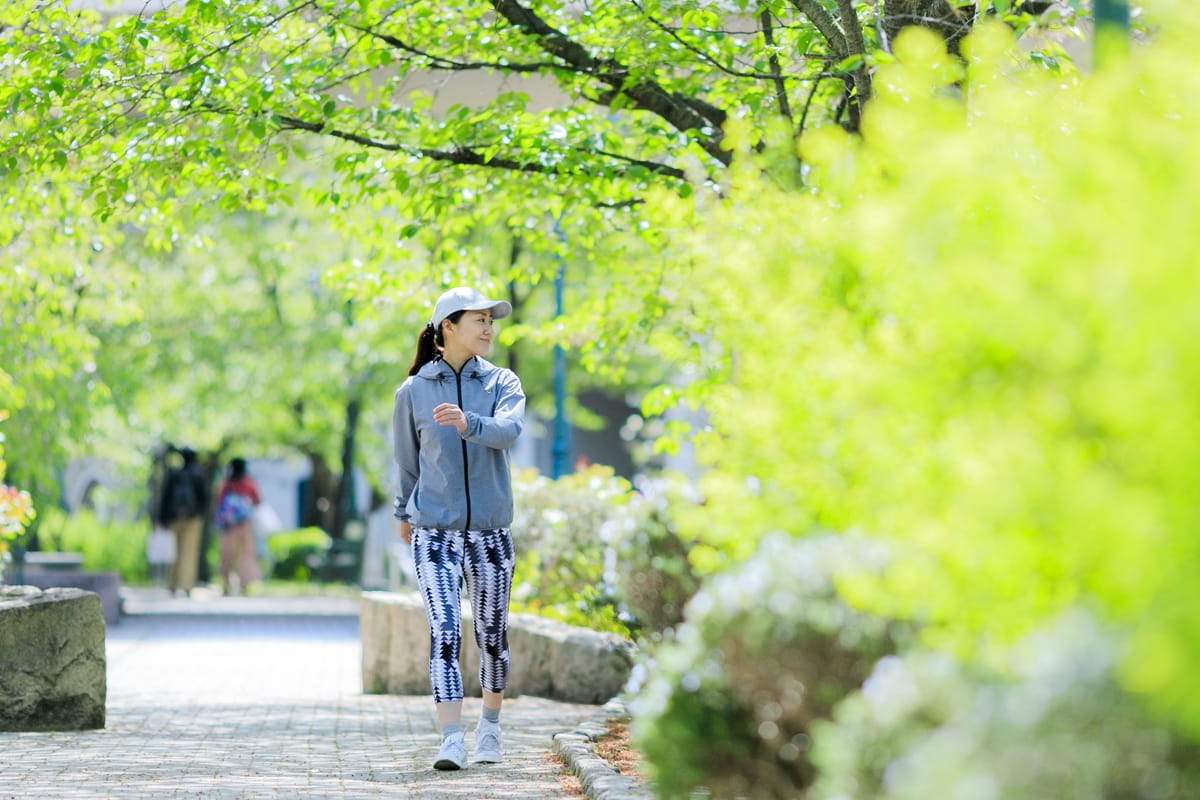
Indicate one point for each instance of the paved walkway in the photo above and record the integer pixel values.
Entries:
(261, 698)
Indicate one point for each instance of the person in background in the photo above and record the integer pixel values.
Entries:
(181, 508)
(236, 501)
(455, 417)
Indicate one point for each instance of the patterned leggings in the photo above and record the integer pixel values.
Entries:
(441, 559)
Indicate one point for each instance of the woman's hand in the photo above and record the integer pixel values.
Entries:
(406, 532)
(450, 414)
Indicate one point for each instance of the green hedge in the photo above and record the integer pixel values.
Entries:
(107, 545)
(290, 552)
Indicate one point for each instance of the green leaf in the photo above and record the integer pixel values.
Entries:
(850, 63)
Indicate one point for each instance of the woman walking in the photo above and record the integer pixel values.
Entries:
(455, 418)
(236, 502)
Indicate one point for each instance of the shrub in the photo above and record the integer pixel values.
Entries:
(561, 556)
(591, 551)
(1056, 727)
(290, 551)
(652, 570)
(730, 702)
(107, 545)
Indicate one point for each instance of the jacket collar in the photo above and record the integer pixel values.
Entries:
(438, 369)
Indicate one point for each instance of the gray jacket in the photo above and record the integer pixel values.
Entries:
(452, 481)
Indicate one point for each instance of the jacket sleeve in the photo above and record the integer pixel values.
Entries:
(407, 450)
(502, 429)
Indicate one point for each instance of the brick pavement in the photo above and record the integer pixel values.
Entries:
(261, 698)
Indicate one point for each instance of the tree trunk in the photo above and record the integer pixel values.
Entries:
(514, 300)
(319, 498)
(950, 22)
(346, 506)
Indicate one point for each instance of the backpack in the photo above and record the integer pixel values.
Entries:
(182, 500)
(234, 509)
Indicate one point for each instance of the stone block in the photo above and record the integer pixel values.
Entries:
(532, 654)
(549, 659)
(51, 659)
(579, 665)
(407, 660)
(375, 633)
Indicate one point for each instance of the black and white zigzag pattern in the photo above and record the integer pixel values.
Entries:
(442, 558)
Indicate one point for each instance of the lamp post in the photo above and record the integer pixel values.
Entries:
(562, 431)
(1111, 21)
(560, 449)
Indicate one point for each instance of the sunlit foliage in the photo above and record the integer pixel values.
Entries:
(975, 338)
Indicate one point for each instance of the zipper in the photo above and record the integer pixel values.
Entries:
(466, 466)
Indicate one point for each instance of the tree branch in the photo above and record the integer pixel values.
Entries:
(466, 156)
(852, 28)
(824, 22)
(233, 42)
(812, 93)
(451, 65)
(646, 94)
(781, 95)
(775, 75)
(653, 166)
(855, 47)
(716, 116)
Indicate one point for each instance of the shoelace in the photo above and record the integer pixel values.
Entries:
(489, 741)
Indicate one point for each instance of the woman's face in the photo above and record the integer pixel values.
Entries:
(472, 334)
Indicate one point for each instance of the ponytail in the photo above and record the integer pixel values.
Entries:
(430, 342)
(428, 348)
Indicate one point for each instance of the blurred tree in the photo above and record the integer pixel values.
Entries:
(976, 336)
(586, 108)
(239, 347)
(48, 343)
(433, 137)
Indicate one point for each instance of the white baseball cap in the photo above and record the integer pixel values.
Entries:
(464, 298)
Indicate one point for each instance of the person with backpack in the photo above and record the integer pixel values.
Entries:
(183, 503)
(236, 501)
(455, 418)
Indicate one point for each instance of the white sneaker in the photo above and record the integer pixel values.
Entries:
(487, 743)
(453, 754)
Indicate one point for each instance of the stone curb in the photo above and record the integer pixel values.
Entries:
(599, 779)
